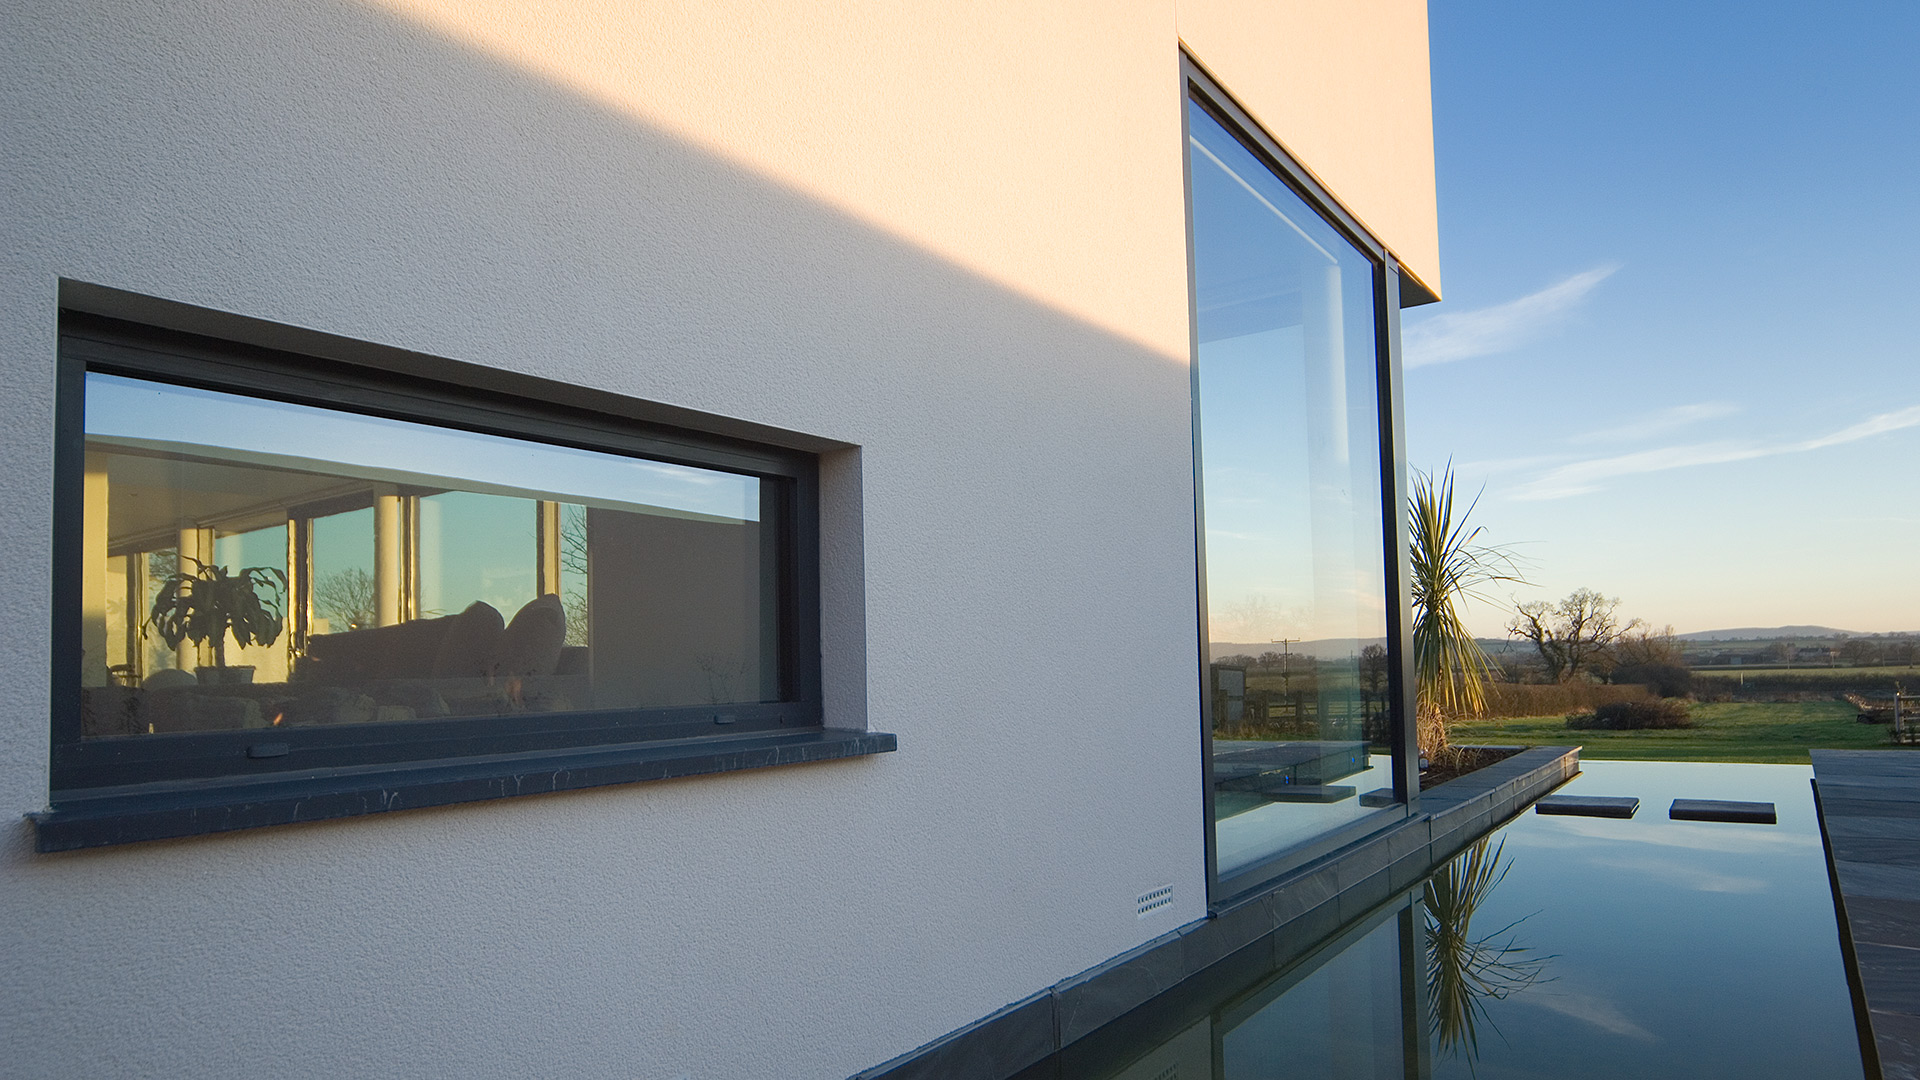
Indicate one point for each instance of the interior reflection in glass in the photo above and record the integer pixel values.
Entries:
(1295, 603)
(253, 563)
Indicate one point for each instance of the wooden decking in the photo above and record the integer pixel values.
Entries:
(1870, 817)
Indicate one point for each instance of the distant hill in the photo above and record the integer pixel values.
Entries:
(1763, 633)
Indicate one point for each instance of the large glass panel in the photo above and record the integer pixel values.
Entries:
(1289, 436)
(252, 563)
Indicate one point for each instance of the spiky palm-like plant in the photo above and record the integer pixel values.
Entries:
(1464, 972)
(1449, 568)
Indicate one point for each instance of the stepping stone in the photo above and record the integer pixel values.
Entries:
(1758, 813)
(1308, 793)
(1587, 805)
(1379, 797)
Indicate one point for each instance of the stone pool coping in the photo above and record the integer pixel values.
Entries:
(1262, 932)
(1869, 807)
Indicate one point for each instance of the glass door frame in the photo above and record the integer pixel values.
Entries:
(1199, 87)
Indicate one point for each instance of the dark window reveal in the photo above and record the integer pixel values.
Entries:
(271, 562)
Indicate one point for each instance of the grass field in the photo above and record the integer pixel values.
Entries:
(1764, 732)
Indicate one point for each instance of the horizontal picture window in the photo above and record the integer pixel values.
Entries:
(277, 563)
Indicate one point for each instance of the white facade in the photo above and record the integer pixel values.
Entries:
(943, 246)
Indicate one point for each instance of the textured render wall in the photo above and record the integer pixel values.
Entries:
(1345, 88)
(953, 241)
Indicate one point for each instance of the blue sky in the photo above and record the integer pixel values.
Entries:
(1677, 346)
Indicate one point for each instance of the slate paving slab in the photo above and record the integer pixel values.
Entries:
(1869, 804)
(1757, 813)
(1611, 806)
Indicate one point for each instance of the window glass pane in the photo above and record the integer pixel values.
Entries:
(476, 547)
(1295, 589)
(343, 596)
(342, 568)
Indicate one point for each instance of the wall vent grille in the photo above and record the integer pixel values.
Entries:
(1154, 900)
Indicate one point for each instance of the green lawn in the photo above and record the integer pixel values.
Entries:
(1765, 732)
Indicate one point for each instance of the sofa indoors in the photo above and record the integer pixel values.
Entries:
(473, 663)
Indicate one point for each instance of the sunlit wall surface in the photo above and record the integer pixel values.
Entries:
(1294, 599)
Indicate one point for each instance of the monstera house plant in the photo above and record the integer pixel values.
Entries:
(210, 604)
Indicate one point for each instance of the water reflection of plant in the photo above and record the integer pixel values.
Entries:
(1465, 972)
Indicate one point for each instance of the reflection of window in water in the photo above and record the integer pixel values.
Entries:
(1339, 1015)
(519, 577)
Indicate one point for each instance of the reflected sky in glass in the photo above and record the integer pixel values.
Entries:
(1289, 420)
(205, 422)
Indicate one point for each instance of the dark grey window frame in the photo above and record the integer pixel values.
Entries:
(121, 789)
(1199, 87)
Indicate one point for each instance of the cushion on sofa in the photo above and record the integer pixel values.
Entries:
(471, 638)
(530, 646)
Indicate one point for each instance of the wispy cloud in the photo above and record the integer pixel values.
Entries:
(1582, 477)
(1658, 423)
(1594, 1009)
(1460, 335)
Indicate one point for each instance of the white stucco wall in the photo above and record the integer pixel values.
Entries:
(954, 242)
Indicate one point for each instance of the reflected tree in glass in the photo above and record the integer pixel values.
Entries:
(1465, 971)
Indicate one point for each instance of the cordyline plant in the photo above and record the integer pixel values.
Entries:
(211, 603)
(1449, 568)
(1464, 972)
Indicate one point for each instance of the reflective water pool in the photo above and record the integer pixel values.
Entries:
(1560, 947)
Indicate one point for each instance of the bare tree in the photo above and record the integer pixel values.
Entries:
(345, 598)
(1646, 646)
(1373, 675)
(1859, 651)
(573, 560)
(573, 538)
(1572, 635)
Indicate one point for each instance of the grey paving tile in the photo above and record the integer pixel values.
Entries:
(1892, 779)
(1869, 879)
(1364, 896)
(995, 1047)
(1407, 839)
(1879, 851)
(1298, 937)
(1410, 870)
(1207, 941)
(1847, 826)
(1846, 806)
(1903, 791)
(1303, 894)
(1896, 1037)
(1881, 920)
(1890, 976)
(1091, 999)
(1887, 762)
(1362, 861)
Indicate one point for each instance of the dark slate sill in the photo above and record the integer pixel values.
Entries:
(1259, 933)
(103, 816)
